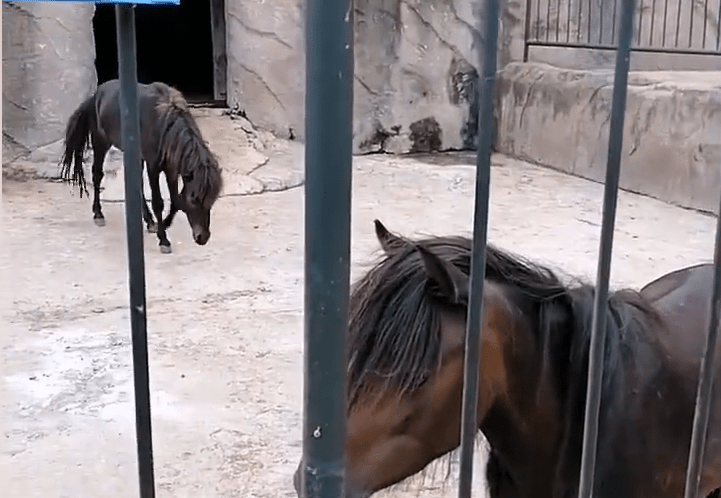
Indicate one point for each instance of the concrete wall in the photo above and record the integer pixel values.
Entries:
(672, 136)
(415, 69)
(48, 69)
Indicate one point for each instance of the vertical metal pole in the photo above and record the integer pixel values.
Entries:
(328, 178)
(705, 383)
(471, 367)
(125, 25)
(610, 195)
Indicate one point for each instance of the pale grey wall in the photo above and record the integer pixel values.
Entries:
(48, 69)
(672, 133)
(416, 67)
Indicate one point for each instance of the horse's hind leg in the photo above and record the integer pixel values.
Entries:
(157, 201)
(147, 216)
(100, 149)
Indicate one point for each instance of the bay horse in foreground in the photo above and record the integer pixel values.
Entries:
(170, 142)
(405, 374)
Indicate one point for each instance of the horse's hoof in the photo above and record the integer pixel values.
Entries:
(152, 228)
(165, 249)
(99, 221)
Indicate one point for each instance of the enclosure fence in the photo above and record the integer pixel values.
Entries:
(328, 168)
(328, 177)
(662, 26)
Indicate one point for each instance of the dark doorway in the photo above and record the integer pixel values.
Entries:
(174, 45)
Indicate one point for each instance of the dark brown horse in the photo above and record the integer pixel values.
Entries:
(170, 142)
(405, 372)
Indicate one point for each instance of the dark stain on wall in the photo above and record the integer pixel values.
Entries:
(426, 135)
(463, 91)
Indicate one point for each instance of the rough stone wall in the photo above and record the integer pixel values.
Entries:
(416, 69)
(48, 69)
(266, 62)
(672, 135)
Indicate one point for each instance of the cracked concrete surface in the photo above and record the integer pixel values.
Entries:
(225, 320)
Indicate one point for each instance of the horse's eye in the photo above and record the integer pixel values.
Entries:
(402, 426)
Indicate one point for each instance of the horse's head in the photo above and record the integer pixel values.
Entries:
(406, 355)
(200, 191)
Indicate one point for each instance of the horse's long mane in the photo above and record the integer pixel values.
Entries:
(395, 325)
(181, 145)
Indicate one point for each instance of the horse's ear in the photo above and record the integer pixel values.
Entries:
(451, 281)
(388, 241)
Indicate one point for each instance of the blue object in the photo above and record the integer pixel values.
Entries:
(134, 2)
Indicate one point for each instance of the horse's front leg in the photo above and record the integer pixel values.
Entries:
(157, 201)
(147, 217)
(172, 181)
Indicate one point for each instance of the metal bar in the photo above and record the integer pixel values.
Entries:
(328, 182)
(705, 23)
(538, 17)
(590, 17)
(558, 17)
(600, 23)
(640, 22)
(125, 26)
(527, 30)
(690, 24)
(615, 19)
(580, 17)
(472, 360)
(655, 50)
(610, 195)
(705, 382)
(678, 22)
(718, 27)
(665, 14)
(548, 18)
(653, 17)
(568, 21)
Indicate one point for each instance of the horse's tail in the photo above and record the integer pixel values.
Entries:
(77, 134)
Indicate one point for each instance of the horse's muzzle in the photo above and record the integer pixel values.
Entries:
(201, 237)
(349, 493)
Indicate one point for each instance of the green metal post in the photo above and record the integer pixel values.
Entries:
(328, 175)
(125, 25)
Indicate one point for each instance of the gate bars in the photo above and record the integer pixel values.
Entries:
(133, 172)
(610, 196)
(328, 178)
(329, 113)
(133, 177)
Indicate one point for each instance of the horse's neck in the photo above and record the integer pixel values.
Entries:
(524, 425)
(531, 464)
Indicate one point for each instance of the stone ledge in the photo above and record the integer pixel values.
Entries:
(672, 131)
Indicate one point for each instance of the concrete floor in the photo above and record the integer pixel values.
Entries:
(225, 320)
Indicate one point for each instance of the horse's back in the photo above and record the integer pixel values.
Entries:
(683, 299)
(149, 97)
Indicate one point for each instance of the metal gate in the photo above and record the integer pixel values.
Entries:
(660, 26)
(328, 162)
